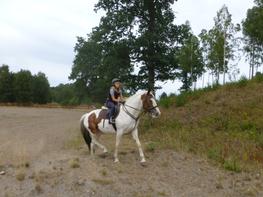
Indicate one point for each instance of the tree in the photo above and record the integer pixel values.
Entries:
(220, 44)
(253, 36)
(64, 94)
(23, 86)
(133, 34)
(190, 61)
(40, 89)
(96, 64)
(6, 85)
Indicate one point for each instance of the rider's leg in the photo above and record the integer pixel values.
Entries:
(111, 106)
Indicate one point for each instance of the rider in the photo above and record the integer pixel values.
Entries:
(115, 97)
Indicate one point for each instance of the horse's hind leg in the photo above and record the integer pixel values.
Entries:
(95, 140)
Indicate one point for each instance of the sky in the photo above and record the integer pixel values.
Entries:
(40, 35)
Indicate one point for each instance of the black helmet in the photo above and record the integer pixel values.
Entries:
(115, 80)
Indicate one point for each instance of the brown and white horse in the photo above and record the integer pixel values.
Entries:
(93, 124)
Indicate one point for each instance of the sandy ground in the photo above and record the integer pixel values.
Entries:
(41, 154)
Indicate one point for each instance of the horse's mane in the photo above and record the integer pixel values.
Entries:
(138, 93)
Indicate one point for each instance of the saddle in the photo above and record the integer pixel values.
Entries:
(105, 112)
(105, 115)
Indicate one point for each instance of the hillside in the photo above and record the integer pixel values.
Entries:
(223, 123)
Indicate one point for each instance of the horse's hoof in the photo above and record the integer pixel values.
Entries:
(116, 161)
(143, 164)
(143, 160)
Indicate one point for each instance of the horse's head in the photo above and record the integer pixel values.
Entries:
(150, 105)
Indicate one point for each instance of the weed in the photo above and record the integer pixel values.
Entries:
(162, 193)
(103, 172)
(103, 181)
(243, 81)
(20, 175)
(74, 163)
(150, 147)
(232, 165)
(214, 154)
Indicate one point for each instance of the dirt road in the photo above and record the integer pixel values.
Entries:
(42, 154)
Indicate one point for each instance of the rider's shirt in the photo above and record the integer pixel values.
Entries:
(114, 93)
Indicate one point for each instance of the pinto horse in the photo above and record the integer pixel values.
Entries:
(93, 124)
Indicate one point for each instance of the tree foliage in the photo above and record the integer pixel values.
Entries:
(220, 44)
(190, 61)
(253, 36)
(135, 41)
(23, 87)
(6, 84)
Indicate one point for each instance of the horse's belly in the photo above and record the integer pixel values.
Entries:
(105, 127)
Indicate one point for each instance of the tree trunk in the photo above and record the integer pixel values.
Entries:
(151, 63)
(253, 62)
(224, 61)
(151, 75)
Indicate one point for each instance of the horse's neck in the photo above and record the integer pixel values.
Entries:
(135, 103)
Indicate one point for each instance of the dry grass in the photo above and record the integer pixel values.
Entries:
(224, 125)
(74, 163)
(76, 142)
(103, 181)
(20, 175)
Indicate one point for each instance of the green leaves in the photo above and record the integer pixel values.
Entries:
(220, 44)
(23, 87)
(132, 34)
(190, 61)
(253, 32)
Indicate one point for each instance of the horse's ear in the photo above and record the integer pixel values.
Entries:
(149, 91)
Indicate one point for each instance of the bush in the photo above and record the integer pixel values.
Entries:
(166, 102)
(232, 165)
(259, 77)
(243, 81)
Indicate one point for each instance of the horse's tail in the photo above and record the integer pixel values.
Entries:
(85, 132)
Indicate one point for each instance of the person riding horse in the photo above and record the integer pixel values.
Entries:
(114, 98)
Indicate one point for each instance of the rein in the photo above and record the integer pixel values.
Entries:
(141, 112)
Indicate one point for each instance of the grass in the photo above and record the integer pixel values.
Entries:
(104, 172)
(76, 141)
(20, 175)
(103, 181)
(74, 163)
(221, 123)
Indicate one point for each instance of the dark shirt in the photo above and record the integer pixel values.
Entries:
(114, 93)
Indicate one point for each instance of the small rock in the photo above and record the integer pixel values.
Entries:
(81, 182)
(2, 173)
(257, 176)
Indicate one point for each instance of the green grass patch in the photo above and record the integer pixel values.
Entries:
(232, 165)
(221, 123)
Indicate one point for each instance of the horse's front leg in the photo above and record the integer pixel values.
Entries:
(136, 138)
(118, 139)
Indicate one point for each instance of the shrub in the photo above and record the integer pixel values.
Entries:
(166, 102)
(259, 77)
(243, 81)
(232, 165)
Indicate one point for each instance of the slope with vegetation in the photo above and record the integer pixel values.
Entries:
(222, 123)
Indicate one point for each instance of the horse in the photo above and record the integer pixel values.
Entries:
(93, 124)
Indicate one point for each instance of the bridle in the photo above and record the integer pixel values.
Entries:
(149, 110)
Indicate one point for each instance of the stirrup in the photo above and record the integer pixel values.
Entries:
(112, 120)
